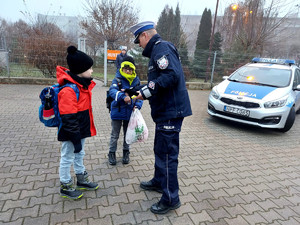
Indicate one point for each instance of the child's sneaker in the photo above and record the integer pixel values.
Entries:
(67, 191)
(83, 182)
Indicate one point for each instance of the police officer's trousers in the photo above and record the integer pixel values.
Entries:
(166, 150)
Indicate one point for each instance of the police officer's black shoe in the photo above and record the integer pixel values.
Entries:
(112, 158)
(160, 208)
(125, 159)
(148, 185)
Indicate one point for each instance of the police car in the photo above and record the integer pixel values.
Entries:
(264, 93)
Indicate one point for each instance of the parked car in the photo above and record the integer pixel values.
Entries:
(264, 93)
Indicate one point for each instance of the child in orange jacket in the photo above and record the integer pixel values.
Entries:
(77, 121)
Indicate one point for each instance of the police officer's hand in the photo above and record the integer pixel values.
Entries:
(139, 96)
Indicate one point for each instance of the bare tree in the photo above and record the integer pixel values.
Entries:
(110, 20)
(249, 25)
(38, 44)
(41, 45)
(46, 48)
(3, 26)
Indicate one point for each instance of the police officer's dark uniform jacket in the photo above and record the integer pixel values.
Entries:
(166, 90)
(169, 102)
(164, 72)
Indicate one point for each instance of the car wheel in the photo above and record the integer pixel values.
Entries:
(289, 121)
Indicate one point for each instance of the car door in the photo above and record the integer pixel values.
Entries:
(297, 93)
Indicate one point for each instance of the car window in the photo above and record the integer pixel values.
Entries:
(266, 76)
(296, 78)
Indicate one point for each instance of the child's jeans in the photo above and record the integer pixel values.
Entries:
(115, 132)
(68, 157)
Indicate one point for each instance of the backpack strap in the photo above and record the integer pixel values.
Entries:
(119, 82)
(74, 87)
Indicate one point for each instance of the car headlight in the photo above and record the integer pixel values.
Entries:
(277, 103)
(214, 93)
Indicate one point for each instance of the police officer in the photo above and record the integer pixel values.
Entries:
(169, 102)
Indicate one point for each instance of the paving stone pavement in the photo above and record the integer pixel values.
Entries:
(228, 173)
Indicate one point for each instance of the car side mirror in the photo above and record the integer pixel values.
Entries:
(225, 77)
(297, 88)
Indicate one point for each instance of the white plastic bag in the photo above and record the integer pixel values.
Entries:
(137, 129)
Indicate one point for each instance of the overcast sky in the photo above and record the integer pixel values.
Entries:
(149, 9)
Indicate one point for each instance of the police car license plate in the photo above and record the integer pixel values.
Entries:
(233, 110)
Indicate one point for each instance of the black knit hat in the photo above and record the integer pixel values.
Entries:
(128, 59)
(78, 61)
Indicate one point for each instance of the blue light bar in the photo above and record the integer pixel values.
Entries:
(275, 61)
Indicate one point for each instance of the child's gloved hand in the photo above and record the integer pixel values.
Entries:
(77, 147)
(127, 100)
(131, 91)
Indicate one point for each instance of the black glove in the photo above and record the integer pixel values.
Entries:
(77, 146)
(131, 91)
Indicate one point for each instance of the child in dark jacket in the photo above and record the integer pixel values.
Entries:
(77, 121)
(122, 107)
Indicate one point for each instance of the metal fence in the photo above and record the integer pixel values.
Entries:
(38, 58)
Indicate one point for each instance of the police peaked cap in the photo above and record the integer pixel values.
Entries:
(140, 28)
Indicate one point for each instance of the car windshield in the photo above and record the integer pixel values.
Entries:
(262, 76)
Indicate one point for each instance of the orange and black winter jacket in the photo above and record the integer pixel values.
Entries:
(77, 117)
